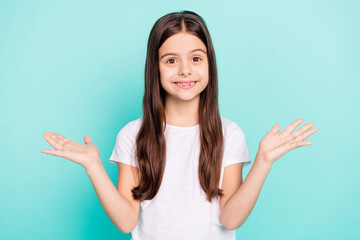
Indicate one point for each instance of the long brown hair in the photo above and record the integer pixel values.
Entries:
(150, 140)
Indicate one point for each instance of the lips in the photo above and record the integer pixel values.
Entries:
(186, 81)
(186, 85)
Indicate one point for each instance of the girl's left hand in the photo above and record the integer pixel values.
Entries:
(274, 145)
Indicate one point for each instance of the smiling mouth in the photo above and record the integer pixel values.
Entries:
(185, 83)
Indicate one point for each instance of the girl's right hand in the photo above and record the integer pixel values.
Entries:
(84, 155)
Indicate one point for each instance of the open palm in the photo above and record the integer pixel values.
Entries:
(274, 145)
(81, 154)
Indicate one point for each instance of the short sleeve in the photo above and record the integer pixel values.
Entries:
(124, 150)
(235, 149)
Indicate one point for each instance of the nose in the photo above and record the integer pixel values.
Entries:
(184, 69)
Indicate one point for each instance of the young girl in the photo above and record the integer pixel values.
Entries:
(181, 161)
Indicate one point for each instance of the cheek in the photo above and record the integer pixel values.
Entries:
(165, 77)
(204, 72)
(166, 73)
(162, 75)
(204, 75)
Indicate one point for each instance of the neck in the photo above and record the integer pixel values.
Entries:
(182, 113)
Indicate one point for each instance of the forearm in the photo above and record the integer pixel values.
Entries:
(239, 206)
(117, 207)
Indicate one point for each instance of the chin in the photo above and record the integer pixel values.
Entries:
(188, 98)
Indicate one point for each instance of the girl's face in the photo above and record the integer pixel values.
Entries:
(183, 58)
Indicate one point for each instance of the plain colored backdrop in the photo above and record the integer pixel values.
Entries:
(77, 68)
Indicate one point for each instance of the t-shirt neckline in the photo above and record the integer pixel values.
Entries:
(190, 127)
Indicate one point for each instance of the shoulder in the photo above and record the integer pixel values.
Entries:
(131, 128)
(230, 127)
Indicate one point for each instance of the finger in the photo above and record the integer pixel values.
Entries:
(306, 134)
(52, 141)
(64, 139)
(302, 129)
(292, 126)
(87, 140)
(58, 138)
(275, 129)
(53, 152)
(299, 144)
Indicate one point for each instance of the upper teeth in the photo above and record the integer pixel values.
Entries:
(184, 84)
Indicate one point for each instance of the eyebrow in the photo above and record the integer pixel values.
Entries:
(198, 49)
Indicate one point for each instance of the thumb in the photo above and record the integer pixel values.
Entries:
(276, 128)
(87, 140)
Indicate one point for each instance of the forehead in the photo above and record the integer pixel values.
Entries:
(181, 42)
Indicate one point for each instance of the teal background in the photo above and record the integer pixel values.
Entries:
(76, 68)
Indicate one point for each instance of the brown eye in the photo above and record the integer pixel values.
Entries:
(197, 58)
(171, 59)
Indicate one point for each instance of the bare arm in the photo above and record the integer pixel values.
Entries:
(272, 147)
(239, 206)
(117, 207)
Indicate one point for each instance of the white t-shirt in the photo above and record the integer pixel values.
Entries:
(180, 209)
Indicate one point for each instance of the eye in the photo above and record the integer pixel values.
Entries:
(199, 59)
(172, 60)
